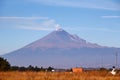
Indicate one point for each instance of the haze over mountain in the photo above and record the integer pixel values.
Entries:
(61, 49)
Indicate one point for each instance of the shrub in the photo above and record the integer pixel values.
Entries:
(4, 64)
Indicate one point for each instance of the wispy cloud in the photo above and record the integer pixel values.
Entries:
(31, 23)
(96, 4)
(110, 17)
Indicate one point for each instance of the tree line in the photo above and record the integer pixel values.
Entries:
(5, 66)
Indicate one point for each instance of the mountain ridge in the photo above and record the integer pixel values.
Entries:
(62, 39)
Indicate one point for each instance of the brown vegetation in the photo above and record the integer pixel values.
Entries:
(87, 75)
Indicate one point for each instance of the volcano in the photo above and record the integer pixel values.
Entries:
(61, 39)
(61, 49)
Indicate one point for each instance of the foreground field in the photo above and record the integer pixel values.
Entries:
(89, 75)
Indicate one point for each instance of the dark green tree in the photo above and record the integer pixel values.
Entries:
(30, 68)
(50, 68)
(14, 68)
(4, 64)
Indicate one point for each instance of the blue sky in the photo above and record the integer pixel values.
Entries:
(24, 21)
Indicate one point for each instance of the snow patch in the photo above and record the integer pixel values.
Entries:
(74, 37)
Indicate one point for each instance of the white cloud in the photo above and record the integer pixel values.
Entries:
(96, 4)
(30, 23)
(110, 16)
(58, 27)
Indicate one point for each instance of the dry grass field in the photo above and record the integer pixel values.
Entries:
(88, 75)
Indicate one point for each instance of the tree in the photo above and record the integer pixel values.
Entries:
(14, 68)
(4, 64)
(50, 68)
(30, 68)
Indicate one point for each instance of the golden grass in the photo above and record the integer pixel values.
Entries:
(89, 75)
